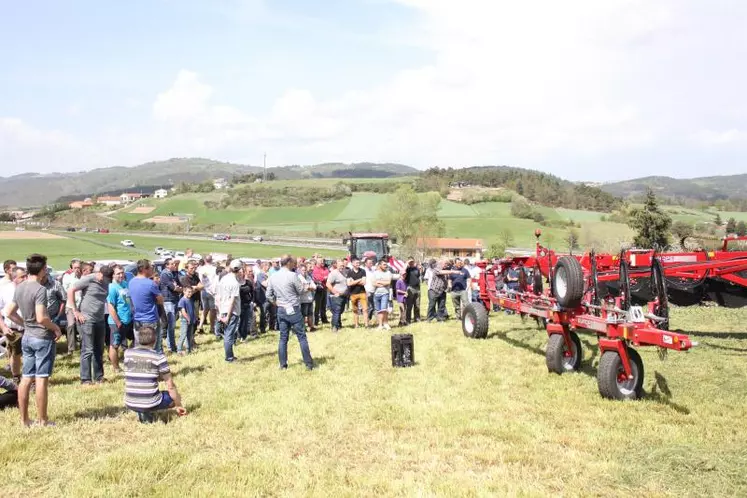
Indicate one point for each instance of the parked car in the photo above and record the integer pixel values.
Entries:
(159, 250)
(128, 243)
(70, 229)
(103, 230)
(179, 255)
(257, 238)
(221, 236)
(167, 254)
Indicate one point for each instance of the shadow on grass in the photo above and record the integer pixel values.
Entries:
(99, 413)
(321, 360)
(724, 348)
(716, 335)
(64, 381)
(192, 369)
(587, 365)
(662, 395)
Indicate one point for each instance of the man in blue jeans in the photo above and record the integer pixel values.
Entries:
(38, 342)
(146, 300)
(171, 292)
(337, 287)
(285, 289)
(229, 308)
(91, 319)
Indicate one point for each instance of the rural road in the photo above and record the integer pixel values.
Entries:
(273, 241)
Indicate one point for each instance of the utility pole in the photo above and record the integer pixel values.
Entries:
(264, 162)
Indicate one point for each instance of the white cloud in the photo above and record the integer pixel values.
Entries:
(537, 83)
(710, 137)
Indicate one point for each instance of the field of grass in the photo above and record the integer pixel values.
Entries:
(471, 418)
(93, 246)
(145, 245)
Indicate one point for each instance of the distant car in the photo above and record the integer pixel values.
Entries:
(221, 236)
(159, 250)
(128, 243)
(167, 254)
(20, 229)
(103, 230)
(70, 229)
(179, 255)
(257, 238)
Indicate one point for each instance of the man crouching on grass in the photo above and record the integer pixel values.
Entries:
(144, 367)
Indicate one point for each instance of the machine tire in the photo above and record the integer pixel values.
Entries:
(475, 321)
(557, 356)
(608, 376)
(568, 282)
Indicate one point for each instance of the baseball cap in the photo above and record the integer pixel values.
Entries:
(235, 264)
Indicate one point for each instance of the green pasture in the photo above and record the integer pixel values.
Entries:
(471, 418)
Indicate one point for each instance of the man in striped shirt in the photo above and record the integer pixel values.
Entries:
(144, 367)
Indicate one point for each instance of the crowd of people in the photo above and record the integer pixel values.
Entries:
(134, 314)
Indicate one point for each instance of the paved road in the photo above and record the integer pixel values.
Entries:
(285, 242)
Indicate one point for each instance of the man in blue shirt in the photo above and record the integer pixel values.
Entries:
(120, 315)
(460, 280)
(146, 302)
(171, 292)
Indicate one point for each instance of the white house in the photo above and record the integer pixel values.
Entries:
(220, 183)
(160, 193)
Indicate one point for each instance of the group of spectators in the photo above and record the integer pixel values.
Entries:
(106, 307)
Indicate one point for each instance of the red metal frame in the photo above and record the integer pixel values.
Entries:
(606, 320)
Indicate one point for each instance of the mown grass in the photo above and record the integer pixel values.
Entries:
(59, 252)
(146, 244)
(472, 418)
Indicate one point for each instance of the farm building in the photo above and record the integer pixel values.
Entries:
(160, 193)
(109, 200)
(454, 248)
(129, 197)
(220, 183)
(80, 204)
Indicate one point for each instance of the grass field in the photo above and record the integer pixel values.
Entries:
(93, 246)
(472, 418)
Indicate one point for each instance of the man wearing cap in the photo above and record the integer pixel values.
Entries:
(229, 308)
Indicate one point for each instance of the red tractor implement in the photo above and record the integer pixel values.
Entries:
(692, 277)
(573, 304)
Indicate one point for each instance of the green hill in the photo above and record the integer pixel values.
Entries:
(707, 189)
(31, 189)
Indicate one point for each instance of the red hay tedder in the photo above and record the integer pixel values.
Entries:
(623, 299)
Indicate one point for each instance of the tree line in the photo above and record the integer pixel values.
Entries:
(536, 186)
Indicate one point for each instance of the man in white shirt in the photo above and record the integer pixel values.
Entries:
(10, 329)
(370, 286)
(209, 278)
(474, 280)
(229, 308)
(68, 280)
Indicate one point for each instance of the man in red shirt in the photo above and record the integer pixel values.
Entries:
(319, 275)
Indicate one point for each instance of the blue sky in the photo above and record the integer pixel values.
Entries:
(582, 89)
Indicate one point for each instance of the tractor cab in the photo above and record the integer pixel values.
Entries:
(360, 245)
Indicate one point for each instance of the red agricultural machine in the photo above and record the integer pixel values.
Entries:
(623, 299)
(376, 245)
(691, 277)
(573, 303)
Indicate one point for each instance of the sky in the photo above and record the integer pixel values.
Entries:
(583, 89)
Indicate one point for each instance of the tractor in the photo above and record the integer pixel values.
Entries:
(376, 245)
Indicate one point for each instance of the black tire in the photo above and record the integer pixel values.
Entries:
(568, 282)
(610, 370)
(537, 281)
(475, 321)
(559, 360)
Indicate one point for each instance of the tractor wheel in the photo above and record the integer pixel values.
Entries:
(475, 321)
(558, 358)
(537, 281)
(568, 282)
(611, 378)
